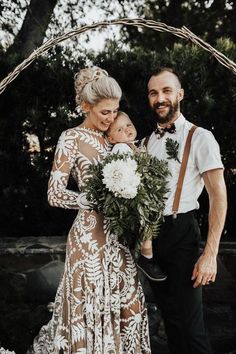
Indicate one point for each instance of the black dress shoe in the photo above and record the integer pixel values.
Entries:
(151, 269)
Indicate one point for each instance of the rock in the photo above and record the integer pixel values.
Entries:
(42, 283)
(13, 286)
(30, 271)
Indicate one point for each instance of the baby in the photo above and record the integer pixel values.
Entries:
(122, 135)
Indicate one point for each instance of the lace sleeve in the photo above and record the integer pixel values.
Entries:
(64, 159)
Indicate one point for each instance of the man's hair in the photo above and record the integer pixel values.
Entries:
(160, 70)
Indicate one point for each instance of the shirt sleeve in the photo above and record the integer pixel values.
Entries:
(206, 151)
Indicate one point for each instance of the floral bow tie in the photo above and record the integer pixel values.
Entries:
(161, 131)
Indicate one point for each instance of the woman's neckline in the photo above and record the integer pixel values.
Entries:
(91, 130)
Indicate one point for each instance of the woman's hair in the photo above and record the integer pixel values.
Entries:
(94, 84)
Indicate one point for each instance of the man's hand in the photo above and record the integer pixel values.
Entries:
(205, 270)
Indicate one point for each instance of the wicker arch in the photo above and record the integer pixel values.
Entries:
(182, 32)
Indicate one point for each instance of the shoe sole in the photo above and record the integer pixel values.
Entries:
(148, 276)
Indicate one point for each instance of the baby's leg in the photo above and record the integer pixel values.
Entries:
(146, 249)
(147, 266)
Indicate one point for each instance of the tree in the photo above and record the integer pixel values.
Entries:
(210, 20)
(41, 102)
(32, 32)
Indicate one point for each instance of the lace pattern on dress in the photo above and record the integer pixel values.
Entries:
(99, 306)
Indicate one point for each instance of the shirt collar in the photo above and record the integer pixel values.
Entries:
(179, 122)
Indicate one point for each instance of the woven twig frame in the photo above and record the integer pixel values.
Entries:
(156, 26)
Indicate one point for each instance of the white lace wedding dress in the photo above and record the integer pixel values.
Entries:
(99, 306)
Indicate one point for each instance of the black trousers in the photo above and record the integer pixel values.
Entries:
(177, 249)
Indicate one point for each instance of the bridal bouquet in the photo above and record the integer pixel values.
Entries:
(129, 190)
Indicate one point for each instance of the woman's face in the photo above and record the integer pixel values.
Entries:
(102, 114)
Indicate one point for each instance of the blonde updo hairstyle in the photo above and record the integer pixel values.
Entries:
(94, 84)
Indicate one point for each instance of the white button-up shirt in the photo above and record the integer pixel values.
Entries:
(204, 156)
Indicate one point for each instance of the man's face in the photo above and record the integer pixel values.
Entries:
(165, 94)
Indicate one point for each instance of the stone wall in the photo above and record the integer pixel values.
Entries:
(30, 270)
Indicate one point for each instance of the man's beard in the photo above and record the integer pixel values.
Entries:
(173, 108)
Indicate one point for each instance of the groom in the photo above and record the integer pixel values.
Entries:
(177, 246)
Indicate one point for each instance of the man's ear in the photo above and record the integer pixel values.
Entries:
(181, 94)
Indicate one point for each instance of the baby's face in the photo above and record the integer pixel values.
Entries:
(122, 130)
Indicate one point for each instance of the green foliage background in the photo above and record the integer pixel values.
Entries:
(41, 101)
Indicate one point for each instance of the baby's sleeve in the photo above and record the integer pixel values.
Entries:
(121, 148)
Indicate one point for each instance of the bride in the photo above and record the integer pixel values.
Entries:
(99, 306)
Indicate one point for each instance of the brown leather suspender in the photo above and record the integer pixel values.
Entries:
(182, 171)
(132, 147)
(175, 206)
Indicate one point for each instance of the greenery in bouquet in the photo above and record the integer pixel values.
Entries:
(129, 190)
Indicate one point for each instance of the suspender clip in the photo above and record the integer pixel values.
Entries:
(174, 215)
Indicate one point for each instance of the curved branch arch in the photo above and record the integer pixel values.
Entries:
(182, 32)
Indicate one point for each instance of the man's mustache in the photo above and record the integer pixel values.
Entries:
(162, 104)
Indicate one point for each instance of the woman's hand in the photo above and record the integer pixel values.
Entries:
(83, 202)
